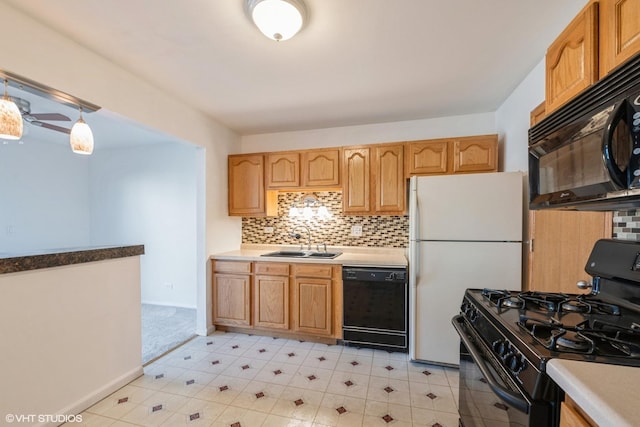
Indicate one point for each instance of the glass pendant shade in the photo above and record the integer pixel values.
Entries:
(293, 212)
(277, 19)
(10, 118)
(81, 138)
(307, 212)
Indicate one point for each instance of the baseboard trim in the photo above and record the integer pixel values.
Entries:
(97, 395)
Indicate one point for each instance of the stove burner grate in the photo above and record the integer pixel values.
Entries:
(502, 298)
(548, 301)
(600, 338)
(584, 304)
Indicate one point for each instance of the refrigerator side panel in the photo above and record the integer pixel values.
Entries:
(447, 269)
(484, 206)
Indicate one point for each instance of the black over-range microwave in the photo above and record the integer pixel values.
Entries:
(586, 155)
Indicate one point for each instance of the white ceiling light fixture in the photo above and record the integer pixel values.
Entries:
(277, 19)
(10, 117)
(81, 137)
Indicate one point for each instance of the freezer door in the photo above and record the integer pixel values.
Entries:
(446, 270)
(483, 206)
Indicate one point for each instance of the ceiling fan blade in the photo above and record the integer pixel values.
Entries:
(51, 116)
(52, 127)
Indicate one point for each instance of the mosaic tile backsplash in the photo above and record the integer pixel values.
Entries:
(626, 225)
(377, 231)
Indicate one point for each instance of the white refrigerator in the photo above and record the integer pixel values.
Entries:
(465, 231)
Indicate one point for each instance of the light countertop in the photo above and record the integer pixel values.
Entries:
(607, 393)
(352, 256)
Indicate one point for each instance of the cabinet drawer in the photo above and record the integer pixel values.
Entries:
(272, 268)
(232, 266)
(313, 270)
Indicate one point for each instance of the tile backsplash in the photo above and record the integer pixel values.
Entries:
(377, 231)
(626, 225)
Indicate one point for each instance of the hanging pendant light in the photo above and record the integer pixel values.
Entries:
(277, 19)
(81, 138)
(10, 117)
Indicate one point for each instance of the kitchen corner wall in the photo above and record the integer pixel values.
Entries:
(626, 225)
(377, 231)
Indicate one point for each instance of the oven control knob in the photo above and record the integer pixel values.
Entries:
(501, 347)
(473, 314)
(514, 362)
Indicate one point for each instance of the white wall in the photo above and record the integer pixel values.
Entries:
(52, 59)
(70, 336)
(147, 195)
(512, 119)
(44, 197)
(475, 124)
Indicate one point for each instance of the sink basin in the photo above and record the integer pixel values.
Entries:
(303, 254)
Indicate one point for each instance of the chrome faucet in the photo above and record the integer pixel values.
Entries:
(297, 236)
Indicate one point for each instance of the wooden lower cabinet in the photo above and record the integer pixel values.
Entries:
(231, 294)
(297, 300)
(312, 305)
(571, 415)
(271, 302)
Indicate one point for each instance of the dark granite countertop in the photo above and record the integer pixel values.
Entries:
(16, 262)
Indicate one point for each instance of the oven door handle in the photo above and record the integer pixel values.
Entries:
(508, 396)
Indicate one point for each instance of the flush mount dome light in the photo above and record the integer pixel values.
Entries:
(277, 19)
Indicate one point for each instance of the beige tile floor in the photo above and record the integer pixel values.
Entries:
(238, 380)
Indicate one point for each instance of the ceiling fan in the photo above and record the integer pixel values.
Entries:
(36, 119)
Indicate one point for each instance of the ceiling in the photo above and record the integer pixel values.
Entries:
(355, 62)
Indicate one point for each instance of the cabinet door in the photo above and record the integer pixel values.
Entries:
(231, 299)
(619, 32)
(475, 154)
(321, 168)
(427, 157)
(559, 245)
(246, 185)
(572, 59)
(312, 306)
(571, 415)
(355, 182)
(271, 302)
(389, 181)
(537, 114)
(283, 170)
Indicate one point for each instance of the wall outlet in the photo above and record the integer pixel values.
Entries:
(268, 230)
(356, 230)
(168, 285)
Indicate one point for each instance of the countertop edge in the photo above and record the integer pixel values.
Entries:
(394, 258)
(17, 263)
(605, 402)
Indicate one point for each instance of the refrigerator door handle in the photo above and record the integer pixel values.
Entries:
(414, 231)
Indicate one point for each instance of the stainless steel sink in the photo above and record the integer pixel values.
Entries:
(303, 254)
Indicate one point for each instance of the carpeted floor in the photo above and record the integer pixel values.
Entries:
(164, 328)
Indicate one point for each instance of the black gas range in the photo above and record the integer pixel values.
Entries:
(507, 338)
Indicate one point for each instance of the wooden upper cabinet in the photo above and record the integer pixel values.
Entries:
(283, 170)
(246, 185)
(572, 59)
(356, 191)
(321, 168)
(559, 245)
(619, 32)
(389, 179)
(475, 154)
(428, 157)
(468, 154)
(537, 114)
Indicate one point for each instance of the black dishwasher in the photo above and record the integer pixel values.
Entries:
(375, 312)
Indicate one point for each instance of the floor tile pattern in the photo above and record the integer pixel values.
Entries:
(238, 380)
